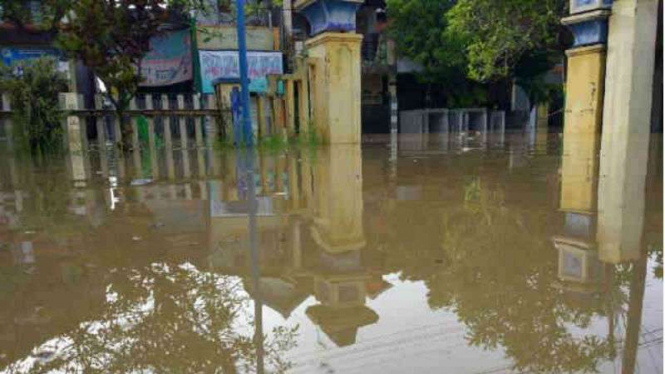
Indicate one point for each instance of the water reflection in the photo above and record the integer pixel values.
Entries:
(474, 257)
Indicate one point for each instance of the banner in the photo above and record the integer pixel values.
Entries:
(12, 56)
(169, 60)
(224, 64)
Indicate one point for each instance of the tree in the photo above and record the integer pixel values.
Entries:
(111, 37)
(467, 43)
(418, 28)
(498, 34)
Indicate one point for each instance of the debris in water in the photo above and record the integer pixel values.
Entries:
(141, 182)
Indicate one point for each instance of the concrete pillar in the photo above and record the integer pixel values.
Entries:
(626, 126)
(263, 174)
(134, 123)
(336, 83)
(444, 129)
(289, 101)
(261, 117)
(166, 120)
(72, 125)
(212, 129)
(280, 165)
(186, 165)
(394, 106)
(170, 163)
(338, 226)
(582, 120)
(484, 126)
(579, 170)
(303, 100)
(117, 130)
(224, 93)
(585, 81)
(182, 123)
(201, 163)
(542, 119)
(198, 121)
(294, 190)
(6, 107)
(136, 157)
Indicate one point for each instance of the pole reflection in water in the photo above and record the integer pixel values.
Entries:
(246, 160)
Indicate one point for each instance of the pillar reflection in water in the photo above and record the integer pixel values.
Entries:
(340, 280)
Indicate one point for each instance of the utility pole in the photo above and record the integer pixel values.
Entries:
(248, 135)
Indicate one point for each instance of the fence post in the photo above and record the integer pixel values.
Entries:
(483, 123)
(182, 123)
(168, 142)
(71, 124)
(261, 116)
(7, 107)
(212, 131)
(100, 123)
(303, 96)
(289, 96)
(152, 141)
(198, 120)
(117, 130)
(134, 122)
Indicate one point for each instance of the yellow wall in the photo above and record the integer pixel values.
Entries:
(335, 82)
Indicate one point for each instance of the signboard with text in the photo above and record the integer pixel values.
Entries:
(169, 60)
(224, 64)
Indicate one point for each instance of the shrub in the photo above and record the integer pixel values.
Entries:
(33, 88)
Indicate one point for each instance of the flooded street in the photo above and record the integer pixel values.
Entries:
(428, 254)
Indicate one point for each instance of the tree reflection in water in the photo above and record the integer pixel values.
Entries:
(165, 318)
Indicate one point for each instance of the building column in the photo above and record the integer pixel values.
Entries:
(583, 115)
(336, 74)
(631, 48)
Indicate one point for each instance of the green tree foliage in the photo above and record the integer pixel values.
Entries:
(419, 30)
(459, 42)
(33, 89)
(111, 37)
(498, 34)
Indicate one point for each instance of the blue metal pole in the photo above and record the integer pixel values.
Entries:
(244, 80)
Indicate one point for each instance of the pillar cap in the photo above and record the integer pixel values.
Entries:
(586, 17)
(302, 4)
(334, 37)
(597, 48)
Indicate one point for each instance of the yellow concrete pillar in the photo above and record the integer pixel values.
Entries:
(584, 88)
(542, 119)
(631, 48)
(303, 103)
(336, 86)
(339, 211)
(261, 117)
(289, 100)
(224, 95)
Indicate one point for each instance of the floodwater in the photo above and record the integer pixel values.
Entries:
(425, 255)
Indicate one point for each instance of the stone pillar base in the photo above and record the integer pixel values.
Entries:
(335, 83)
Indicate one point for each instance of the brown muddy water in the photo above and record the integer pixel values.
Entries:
(426, 255)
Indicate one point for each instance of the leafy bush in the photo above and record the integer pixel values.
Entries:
(33, 88)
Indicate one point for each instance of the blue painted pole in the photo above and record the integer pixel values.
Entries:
(248, 135)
